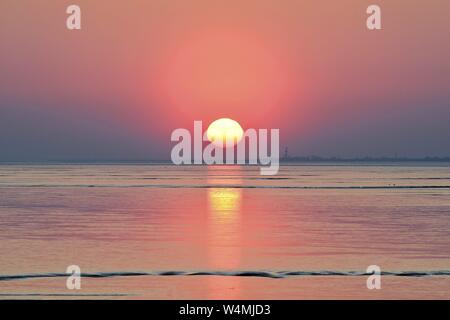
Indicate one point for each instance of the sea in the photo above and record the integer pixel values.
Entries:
(161, 231)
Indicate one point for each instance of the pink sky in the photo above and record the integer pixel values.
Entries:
(139, 69)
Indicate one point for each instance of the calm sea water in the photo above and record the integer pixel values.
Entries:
(194, 232)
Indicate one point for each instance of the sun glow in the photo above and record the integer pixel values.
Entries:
(224, 132)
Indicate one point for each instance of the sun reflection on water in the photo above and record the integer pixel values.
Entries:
(224, 227)
(224, 200)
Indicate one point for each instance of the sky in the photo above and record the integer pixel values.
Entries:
(137, 70)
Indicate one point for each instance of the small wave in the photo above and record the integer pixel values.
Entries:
(64, 295)
(257, 273)
(424, 178)
(223, 186)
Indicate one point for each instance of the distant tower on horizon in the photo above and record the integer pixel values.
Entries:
(286, 155)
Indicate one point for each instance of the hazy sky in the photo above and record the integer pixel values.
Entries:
(138, 69)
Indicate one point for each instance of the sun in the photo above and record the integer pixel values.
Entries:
(224, 132)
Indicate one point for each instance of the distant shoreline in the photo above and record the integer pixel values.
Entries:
(364, 159)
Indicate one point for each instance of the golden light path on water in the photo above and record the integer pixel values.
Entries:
(224, 231)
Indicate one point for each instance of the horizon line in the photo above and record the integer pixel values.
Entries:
(311, 158)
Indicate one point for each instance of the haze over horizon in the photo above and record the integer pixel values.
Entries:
(137, 70)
